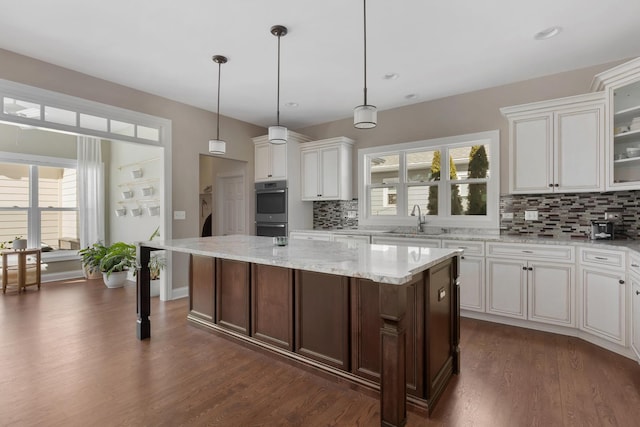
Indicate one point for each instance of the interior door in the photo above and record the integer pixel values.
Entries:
(231, 208)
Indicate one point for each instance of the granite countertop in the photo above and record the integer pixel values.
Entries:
(384, 264)
(492, 237)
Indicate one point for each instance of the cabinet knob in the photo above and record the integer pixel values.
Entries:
(556, 185)
(269, 175)
(530, 268)
(637, 292)
(462, 257)
(621, 281)
(524, 268)
(550, 185)
(319, 195)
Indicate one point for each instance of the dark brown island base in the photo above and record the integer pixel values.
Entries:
(383, 317)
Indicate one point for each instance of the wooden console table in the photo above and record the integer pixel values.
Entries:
(23, 273)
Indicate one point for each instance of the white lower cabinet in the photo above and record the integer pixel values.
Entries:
(603, 292)
(635, 313)
(530, 289)
(551, 292)
(472, 283)
(472, 295)
(506, 287)
(603, 303)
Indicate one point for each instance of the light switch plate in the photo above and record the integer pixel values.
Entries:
(531, 215)
(179, 215)
(507, 215)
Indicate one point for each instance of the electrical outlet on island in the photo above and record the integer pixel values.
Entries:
(530, 215)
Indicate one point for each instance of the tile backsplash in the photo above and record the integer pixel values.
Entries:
(570, 214)
(331, 214)
(559, 215)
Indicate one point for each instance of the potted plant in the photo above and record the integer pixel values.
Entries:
(156, 264)
(112, 261)
(120, 257)
(91, 257)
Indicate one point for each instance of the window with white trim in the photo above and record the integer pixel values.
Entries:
(38, 201)
(461, 191)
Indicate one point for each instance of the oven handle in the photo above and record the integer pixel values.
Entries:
(262, 224)
(269, 191)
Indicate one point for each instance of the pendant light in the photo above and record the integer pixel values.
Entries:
(218, 146)
(365, 116)
(278, 134)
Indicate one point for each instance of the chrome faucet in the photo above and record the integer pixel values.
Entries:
(421, 220)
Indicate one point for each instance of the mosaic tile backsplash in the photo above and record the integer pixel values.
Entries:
(331, 214)
(570, 215)
(559, 215)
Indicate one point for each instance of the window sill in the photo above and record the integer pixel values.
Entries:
(67, 255)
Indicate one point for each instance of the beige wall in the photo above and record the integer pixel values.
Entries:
(456, 115)
(191, 130)
(192, 127)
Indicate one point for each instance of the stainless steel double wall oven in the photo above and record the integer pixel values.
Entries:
(271, 208)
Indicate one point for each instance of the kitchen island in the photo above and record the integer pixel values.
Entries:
(383, 317)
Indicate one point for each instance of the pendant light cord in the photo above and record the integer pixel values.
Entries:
(218, 110)
(365, 51)
(278, 98)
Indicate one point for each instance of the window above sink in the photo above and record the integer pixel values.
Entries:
(461, 192)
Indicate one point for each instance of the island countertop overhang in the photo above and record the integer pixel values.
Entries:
(391, 264)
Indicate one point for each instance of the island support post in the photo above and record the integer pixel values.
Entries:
(393, 342)
(143, 292)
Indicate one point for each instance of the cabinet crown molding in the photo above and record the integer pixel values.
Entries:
(329, 141)
(551, 104)
(293, 136)
(619, 74)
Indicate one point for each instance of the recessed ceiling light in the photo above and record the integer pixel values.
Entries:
(391, 76)
(548, 33)
(291, 104)
(411, 96)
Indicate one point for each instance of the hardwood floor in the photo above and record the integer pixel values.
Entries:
(69, 357)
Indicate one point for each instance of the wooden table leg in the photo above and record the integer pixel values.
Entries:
(393, 399)
(143, 284)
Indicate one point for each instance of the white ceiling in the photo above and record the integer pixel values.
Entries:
(438, 48)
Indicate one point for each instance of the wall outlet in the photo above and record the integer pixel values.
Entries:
(530, 215)
(507, 215)
(179, 215)
(613, 216)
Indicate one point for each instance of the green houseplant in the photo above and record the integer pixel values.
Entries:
(114, 260)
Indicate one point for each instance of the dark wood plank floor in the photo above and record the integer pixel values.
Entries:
(69, 357)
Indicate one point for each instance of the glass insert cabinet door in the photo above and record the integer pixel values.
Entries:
(626, 135)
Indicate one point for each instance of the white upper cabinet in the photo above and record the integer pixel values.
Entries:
(326, 169)
(557, 145)
(621, 85)
(270, 162)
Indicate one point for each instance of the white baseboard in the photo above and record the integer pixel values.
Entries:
(63, 275)
(180, 293)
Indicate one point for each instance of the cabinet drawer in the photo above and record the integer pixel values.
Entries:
(355, 238)
(634, 263)
(602, 258)
(470, 247)
(532, 252)
(310, 236)
(409, 241)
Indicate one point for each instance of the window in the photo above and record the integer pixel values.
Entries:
(38, 201)
(461, 191)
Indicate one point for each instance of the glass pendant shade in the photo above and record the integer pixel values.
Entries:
(278, 134)
(365, 117)
(217, 146)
